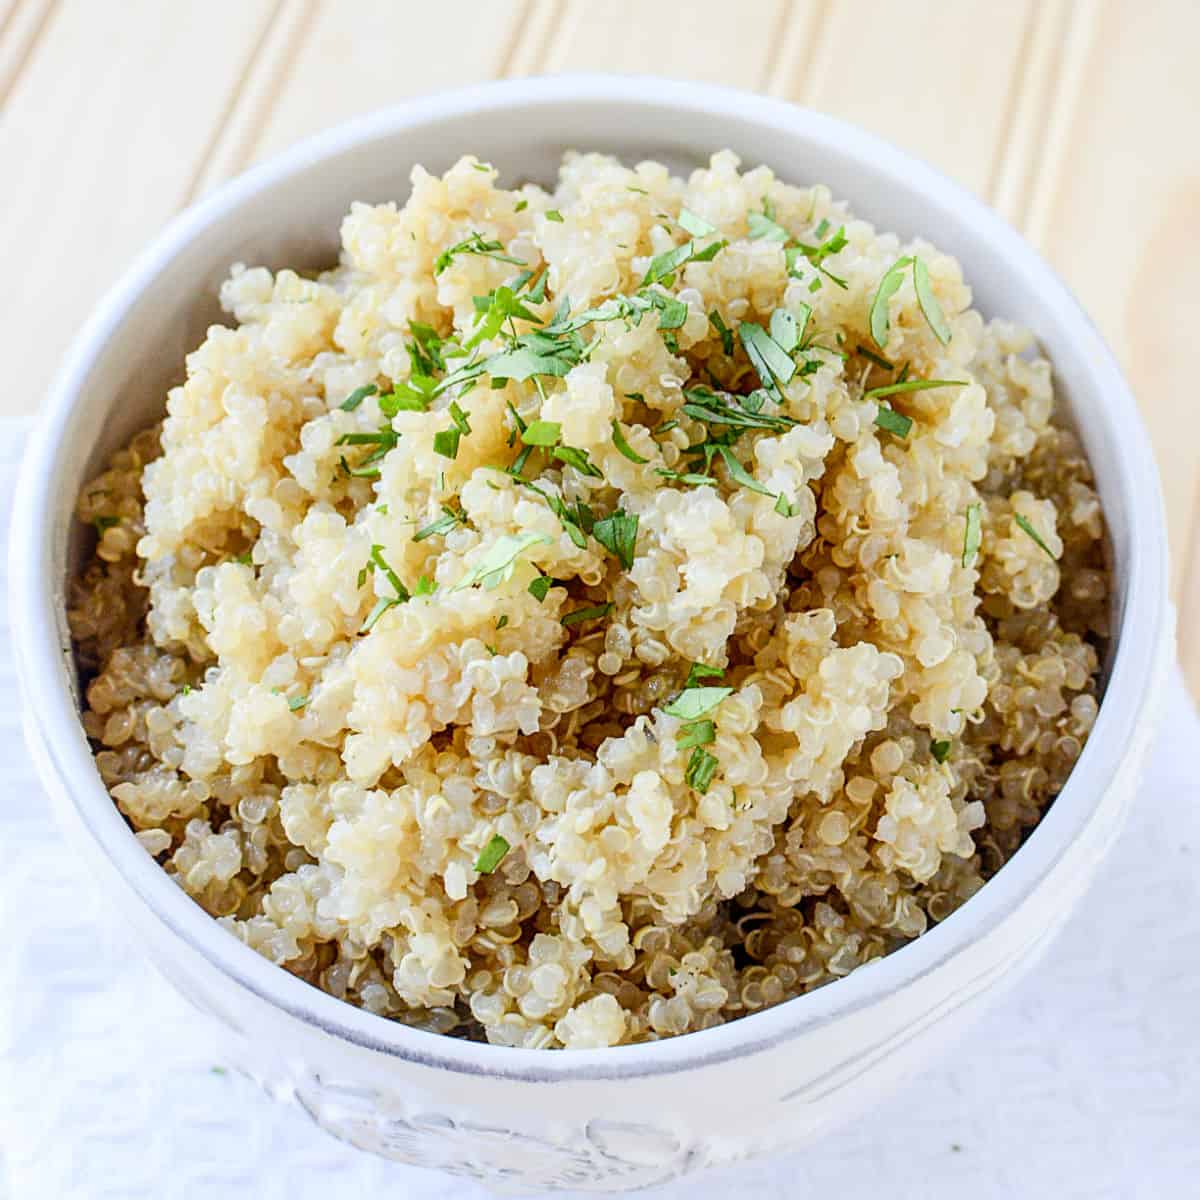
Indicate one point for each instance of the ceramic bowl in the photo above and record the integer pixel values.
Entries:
(628, 1116)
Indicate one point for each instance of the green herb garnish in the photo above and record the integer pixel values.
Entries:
(357, 396)
(663, 266)
(492, 855)
(445, 442)
(552, 214)
(623, 446)
(940, 751)
(928, 302)
(718, 323)
(889, 285)
(475, 244)
(739, 473)
(696, 733)
(574, 457)
(450, 518)
(699, 671)
(587, 614)
(893, 421)
(1024, 524)
(700, 770)
(769, 359)
(298, 702)
(696, 226)
(695, 702)
(541, 433)
(539, 587)
(104, 523)
(909, 385)
(497, 564)
(618, 535)
(973, 534)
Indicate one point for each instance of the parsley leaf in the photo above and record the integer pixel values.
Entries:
(889, 285)
(940, 751)
(769, 359)
(717, 322)
(663, 266)
(1024, 523)
(552, 214)
(443, 524)
(909, 385)
(623, 446)
(491, 856)
(696, 226)
(696, 733)
(587, 614)
(695, 702)
(618, 535)
(930, 307)
(357, 396)
(739, 473)
(445, 442)
(892, 421)
(499, 561)
(578, 459)
(475, 244)
(972, 534)
(541, 433)
(700, 770)
(539, 587)
(700, 671)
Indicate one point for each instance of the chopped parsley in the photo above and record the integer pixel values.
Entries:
(425, 586)
(695, 702)
(449, 520)
(715, 408)
(784, 507)
(699, 671)
(618, 535)
(539, 587)
(105, 523)
(498, 563)
(623, 445)
(521, 205)
(663, 266)
(972, 534)
(357, 396)
(691, 477)
(739, 473)
(552, 214)
(445, 442)
(717, 322)
(931, 309)
(491, 856)
(696, 226)
(578, 459)
(297, 702)
(700, 770)
(1023, 523)
(475, 244)
(696, 733)
(940, 751)
(542, 433)
(768, 358)
(889, 285)
(587, 614)
(893, 422)
(909, 385)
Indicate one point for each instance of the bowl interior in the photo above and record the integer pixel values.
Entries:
(287, 213)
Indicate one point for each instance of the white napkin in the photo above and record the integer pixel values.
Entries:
(1084, 1082)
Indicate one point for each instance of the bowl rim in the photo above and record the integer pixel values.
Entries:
(64, 754)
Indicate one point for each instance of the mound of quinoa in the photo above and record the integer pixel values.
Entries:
(447, 645)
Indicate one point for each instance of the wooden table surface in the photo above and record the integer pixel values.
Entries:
(1076, 119)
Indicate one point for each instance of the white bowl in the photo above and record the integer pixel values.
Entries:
(623, 1117)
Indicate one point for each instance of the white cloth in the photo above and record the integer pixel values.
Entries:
(1084, 1082)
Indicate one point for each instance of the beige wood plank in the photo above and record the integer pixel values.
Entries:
(698, 41)
(932, 77)
(1120, 223)
(103, 130)
(389, 51)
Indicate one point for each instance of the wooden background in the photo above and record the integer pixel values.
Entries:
(1079, 120)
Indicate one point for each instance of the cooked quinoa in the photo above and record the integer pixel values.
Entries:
(542, 628)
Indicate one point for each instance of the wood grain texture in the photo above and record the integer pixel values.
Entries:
(22, 24)
(694, 43)
(1120, 221)
(103, 130)
(388, 52)
(874, 65)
